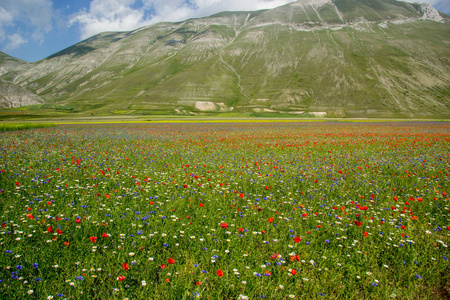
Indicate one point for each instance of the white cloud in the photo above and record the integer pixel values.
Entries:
(177, 10)
(108, 15)
(117, 15)
(35, 16)
(5, 16)
(14, 41)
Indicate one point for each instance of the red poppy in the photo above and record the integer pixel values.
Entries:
(358, 223)
(365, 234)
(219, 273)
(78, 221)
(304, 215)
(241, 195)
(297, 239)
(17, 183)
(50, 229)
(241, 229)
(66, 243)
(171, 261)
(199, 283)
(293, 272)
(121, 278)
(104, 234)
(30, 216)
(59, 231)
(224, 225)
(125, 266)
(270, 220)
(163, 266)
(201, 205)
(93, 239)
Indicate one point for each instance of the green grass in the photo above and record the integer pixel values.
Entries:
(168, 205)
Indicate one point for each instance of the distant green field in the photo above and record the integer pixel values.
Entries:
(21, 126)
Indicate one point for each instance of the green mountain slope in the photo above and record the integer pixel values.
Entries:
(10, 65)
(357, 58)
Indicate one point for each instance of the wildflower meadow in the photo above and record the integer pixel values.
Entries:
(230, 210)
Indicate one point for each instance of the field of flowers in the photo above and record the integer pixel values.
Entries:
(226, 211)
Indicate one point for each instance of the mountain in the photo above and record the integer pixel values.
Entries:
(353, 58)
(13, 95)
(9, 64)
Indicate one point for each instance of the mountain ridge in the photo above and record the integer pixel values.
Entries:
(343, 57)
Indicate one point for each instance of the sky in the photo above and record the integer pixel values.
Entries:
(34, 29)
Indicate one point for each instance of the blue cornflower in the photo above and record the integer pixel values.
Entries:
(35, 265)
(418, 276)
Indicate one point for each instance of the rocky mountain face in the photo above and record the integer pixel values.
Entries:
(355, 58)
(9, 64)
(13, 95)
